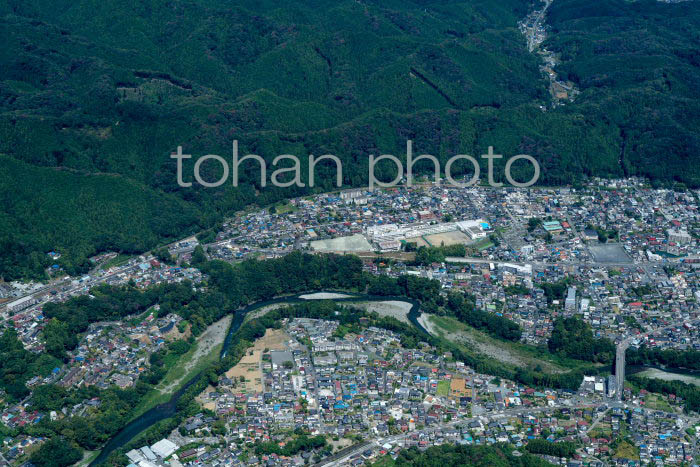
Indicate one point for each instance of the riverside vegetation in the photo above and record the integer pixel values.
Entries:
(232, 286)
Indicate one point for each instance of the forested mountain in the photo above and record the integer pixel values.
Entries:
(95, 95)
(638, 66)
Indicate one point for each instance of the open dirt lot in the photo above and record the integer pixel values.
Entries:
(249, 368)
(454, 237)
(250, 365)
(610, 253)
(448, 238)
(352, 243)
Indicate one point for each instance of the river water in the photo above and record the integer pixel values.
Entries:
(168, 409)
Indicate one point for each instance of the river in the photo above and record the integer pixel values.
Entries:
(168, 409)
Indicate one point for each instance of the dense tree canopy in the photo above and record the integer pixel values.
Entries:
(559, 449)
(17, 365)
(56, 453)
(94, 100)
(462, 306)
(573, 338)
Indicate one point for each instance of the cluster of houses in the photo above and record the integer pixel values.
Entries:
(628, 255)
(117, 353)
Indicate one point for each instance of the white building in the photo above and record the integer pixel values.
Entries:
(474, 229)
(22, 303)
(570, 303)
(164, 448)
(681, 237)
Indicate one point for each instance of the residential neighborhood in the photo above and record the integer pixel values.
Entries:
(624, 256)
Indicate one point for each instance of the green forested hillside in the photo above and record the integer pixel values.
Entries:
(105, 90)
(638, 65)
(45, 207)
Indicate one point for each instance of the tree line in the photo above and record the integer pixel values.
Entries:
(548, 448)
(447, 455)
(671, 358)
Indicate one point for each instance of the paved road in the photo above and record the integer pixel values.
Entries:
(457, 259)
(531, 38)
(620, 352)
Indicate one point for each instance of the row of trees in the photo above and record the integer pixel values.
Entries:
(559, 449)
(683, 359)
(496, 455)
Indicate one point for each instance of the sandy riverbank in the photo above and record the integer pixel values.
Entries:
(394, 308)
(323, 296)
(668, 376)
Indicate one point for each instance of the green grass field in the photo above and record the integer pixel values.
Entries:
(285, 208)
(116, 261)
(656, 402)
(481, 245)
(181, 370)
(626, 450)
(443, 388)
(512, 353)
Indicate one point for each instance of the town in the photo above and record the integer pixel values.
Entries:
(619, 255)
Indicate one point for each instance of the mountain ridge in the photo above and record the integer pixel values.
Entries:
(114, 87)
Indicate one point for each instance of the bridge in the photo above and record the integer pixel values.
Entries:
(620, 351)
